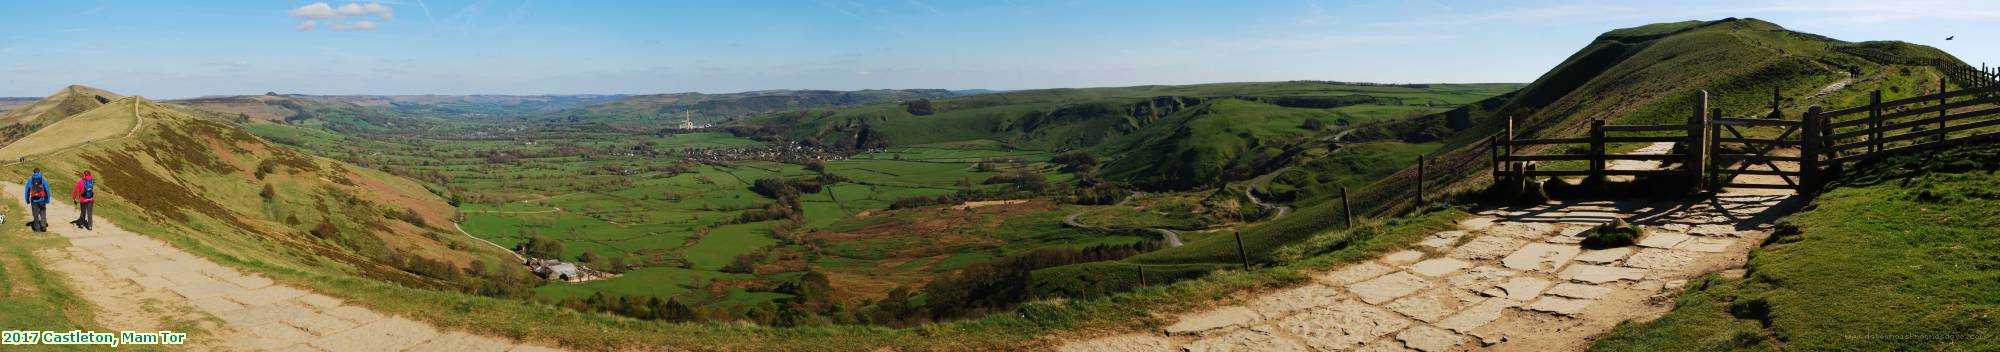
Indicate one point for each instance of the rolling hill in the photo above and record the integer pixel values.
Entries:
(1648, 75)
(1157, 137)
(666, 110)
(214, 189)
(18, 122)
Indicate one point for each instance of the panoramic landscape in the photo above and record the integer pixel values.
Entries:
(1019, 176)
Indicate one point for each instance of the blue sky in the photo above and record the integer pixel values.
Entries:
(196, 47)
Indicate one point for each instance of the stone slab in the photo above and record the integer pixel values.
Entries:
(1579, 291)
(1355, 273)
(1520, 288)
(1486, 247)
(1439, 267)
(1477, 315)
(1292, 300)
(1342, 326)
(1560, 306)
(1661, 259)
(1707, 244)
(1430, 339)
(1245, 340)
(1481, 278)
(1598, 274)
(1388, 287)
(1603, 256)
(1428, 307)
(1543, 257)
(1656, 239)
(1212, 320)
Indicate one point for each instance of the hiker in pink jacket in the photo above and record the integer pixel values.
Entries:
(84, 195)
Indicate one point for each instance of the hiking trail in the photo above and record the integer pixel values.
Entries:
(140, 283)
(1506, 279)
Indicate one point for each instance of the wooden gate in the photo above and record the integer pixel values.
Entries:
(1771, 159)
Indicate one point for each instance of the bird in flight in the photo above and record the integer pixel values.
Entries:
(1949, 38)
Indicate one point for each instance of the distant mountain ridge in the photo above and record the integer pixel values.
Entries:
(668, 109)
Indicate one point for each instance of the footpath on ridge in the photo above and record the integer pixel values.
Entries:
(139, 283)
(1507, 279)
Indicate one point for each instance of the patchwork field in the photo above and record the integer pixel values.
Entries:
(631, 204)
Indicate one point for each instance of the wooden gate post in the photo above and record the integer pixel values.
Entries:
(1809, 150)
(1697, 150)
(1596, 151)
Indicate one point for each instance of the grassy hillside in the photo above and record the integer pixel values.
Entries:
(1156, 137)
(23, 120)
(1636, 75)
(218, 191)
(1649, 74)
(665, 110)
(1898, 254)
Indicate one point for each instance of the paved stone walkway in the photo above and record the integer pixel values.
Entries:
(139, 283)
(1510, 278)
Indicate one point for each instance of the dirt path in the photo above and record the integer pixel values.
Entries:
(142, 284)
(1508, 279)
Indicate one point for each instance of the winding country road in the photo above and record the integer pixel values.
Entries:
(139, 283)
(1173, 237)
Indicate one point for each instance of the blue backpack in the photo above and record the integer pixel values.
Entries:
(90, 188)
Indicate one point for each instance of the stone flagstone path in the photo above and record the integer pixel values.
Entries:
(139, 283)
(1509, 279)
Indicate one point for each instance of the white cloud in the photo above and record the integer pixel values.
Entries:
(373, 8)
(356, 26)
(314, 12)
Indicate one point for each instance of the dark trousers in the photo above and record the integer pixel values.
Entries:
(85, 219)
(41, 219)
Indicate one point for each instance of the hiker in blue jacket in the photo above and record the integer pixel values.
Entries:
(37, 194)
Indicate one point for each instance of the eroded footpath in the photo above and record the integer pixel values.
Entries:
(139, 283)
(1507, 279)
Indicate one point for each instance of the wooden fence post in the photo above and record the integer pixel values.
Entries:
(1142, 276)
(1347, 206)
(1809, 151)
(1697, 149)
(1941, 110)
(1596, 151)
(1242, 253)
(1510, 144)
(1875, 121)
(1420, 181)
